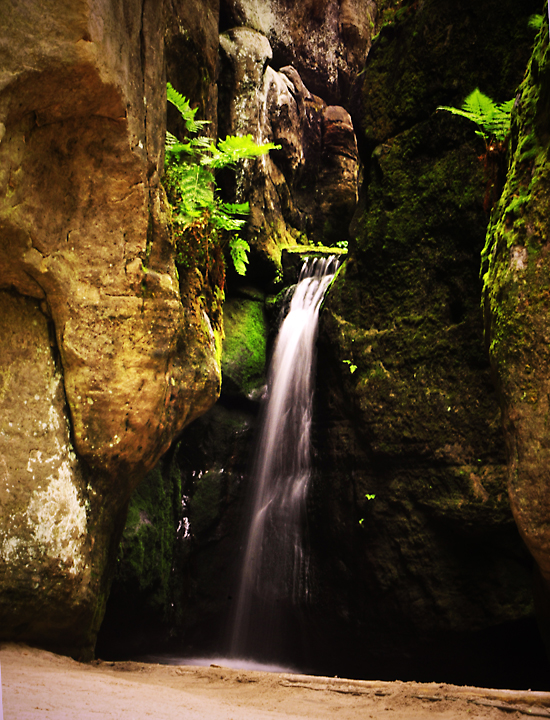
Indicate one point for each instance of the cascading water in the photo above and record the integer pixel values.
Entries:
(274, 575)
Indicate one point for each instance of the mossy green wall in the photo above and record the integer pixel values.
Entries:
(409, 411)
(516, 271)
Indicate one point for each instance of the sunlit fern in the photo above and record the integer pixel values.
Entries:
(492, 119)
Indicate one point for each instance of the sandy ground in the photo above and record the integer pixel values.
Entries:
(37, 684)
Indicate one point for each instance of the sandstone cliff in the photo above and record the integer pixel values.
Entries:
(103, 362)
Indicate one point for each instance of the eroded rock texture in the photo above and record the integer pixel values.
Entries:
(325, 40)
(84, 232)
(516, 303)
(409, 432)
(307, 190)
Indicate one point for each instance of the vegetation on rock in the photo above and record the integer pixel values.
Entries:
(198, 210)
(492, 119)
(516, 293)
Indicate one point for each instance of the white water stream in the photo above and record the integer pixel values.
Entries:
(275, 562)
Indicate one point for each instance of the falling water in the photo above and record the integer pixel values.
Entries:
(275, 564)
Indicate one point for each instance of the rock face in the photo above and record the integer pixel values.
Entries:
(516, 312)
(409, 433)
(415, 555)
(307, 190)
(191, 39)
(325, 40)
(85, 234)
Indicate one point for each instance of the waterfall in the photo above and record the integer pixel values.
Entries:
(274, 574)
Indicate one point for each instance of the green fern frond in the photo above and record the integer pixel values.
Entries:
(492, 119)
(190, 182)
(186, 111)
(239, 250)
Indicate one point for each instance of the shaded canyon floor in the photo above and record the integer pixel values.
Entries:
(37, 684)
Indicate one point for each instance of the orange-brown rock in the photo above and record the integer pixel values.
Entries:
(84, 231)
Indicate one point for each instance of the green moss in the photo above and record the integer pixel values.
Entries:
(514, 271)
(206, 502)
(145, 554)
(244, 347)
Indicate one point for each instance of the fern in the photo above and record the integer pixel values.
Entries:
(239, 250)
(190, 181)
(492, 119)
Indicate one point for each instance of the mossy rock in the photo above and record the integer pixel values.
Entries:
(406, 409)
(516, 272)
(143, 586)
(244, 347)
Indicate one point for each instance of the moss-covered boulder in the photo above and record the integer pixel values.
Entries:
(244, 347)
(517, 304)
(411, 516)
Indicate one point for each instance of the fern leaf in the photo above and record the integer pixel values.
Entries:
(186, 111)
(479, 105)
(492, 120)
(237, 208)
(239, 250)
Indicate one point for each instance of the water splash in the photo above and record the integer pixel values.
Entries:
(275, 571)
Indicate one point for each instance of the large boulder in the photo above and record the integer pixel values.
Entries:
(85, 242)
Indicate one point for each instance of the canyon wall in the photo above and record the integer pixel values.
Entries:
(429, 557)
(415, 551)
(104, 363)
(110, 349)
(515, 300)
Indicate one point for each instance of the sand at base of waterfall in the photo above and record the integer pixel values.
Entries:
(38, 685)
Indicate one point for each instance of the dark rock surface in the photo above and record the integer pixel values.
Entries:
(516, 304)
(409, 431)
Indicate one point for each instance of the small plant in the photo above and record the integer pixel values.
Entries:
(492, 119)
(352, 367)
(535, 22)
(368, 496)
(493, 123)
(190, 181)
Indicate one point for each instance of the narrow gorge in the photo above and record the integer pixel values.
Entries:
(133, 366)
